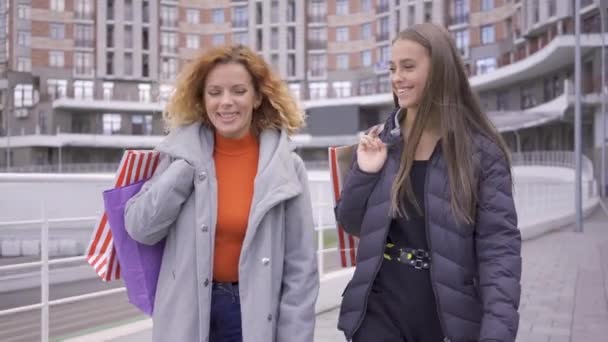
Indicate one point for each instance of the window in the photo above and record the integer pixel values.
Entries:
(461, 39)
(110, 63)
(56, 59)
(274, 38)
(218, 16)
(128, 10)
(168, 42)
(366, 58)
(291, 38)
(128, 64)
(192, 16)
(83, 64)
(384, 84)
(342, 61)
(165, 92)
(317, 34)
(485, 65)
(108, 90)
(317, 90)
(366, 5)
(341, 89)
(56, 88)
(145, 65)
(366, 31)
(145, 11)
(57, 5)
(295, 90)
(487, 34)
(111, 123)
(366, 86)
(240, 17)
(291, 11)
(144, 92)
(23, 95)
(145, 41)
(168, 68)
(23, 11)
(57, 31)
(24, 64)
(110, 36)
(83, 90)
(501, 101)
(141, 124)
(168, 16)
(318, 65)
(83, 9)
(24, 38)
(84, 35)
(552, 8)
(241, 38)
(218, 39)
(342, 7)
(110, 9)
(192, 41)
(342, 34)
(383, 28)
(291, 65)
(428, 12)
(128, 37)
(487, 5)
(384, 54)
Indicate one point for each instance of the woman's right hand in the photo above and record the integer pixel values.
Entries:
(371, 152)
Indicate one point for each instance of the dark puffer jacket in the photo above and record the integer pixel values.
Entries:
(475, 269)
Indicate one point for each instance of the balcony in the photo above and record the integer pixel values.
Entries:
(238, 23)
(317, 18)
(459, 19)
(84, 43)
(79, 15)
(382, 36)
(164, 22)
(382, 7)
(118, 103)
(317, 44)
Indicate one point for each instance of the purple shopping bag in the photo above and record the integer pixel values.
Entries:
(140, 264)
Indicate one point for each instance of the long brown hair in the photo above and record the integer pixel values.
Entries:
(277, 110)
(449, 102)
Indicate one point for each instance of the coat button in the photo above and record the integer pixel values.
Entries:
(206, 282)
(202, 176)
(265, 261)
(204, 228)
(269, 317)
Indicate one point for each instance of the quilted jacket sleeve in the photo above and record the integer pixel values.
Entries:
(357, 188)
(498, 244)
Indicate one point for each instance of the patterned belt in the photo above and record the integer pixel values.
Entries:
(415, 257)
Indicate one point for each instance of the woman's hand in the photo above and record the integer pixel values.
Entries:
(371, 152)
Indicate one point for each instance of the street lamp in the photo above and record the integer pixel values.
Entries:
(578, 202)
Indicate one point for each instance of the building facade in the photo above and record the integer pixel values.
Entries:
(80, 80)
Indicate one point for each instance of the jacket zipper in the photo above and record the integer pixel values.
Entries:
(428, 241)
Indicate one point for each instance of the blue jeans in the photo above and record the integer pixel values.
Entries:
(225, 325)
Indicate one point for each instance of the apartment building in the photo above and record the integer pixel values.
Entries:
(80, 80)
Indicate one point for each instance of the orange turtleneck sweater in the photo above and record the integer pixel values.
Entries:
(236, 164)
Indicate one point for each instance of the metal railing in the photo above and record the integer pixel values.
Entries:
(556, 196)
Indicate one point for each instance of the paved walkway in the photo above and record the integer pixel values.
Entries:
(564, 288)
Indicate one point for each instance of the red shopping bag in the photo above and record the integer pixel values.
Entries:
(340, 159)
(135, 166)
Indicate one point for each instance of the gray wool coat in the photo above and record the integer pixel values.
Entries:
(475, 268)
(278, 277)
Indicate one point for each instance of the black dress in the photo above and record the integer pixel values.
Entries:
(401, 305)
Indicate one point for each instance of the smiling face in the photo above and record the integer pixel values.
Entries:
(230, 99)
(410, 66)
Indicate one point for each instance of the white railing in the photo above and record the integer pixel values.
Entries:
(527, 201)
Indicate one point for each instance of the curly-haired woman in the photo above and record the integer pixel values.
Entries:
(231, 198)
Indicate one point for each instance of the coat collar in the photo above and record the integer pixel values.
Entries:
(276, 179)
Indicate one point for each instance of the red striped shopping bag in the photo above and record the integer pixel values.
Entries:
(134, 166)
(340, 159)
